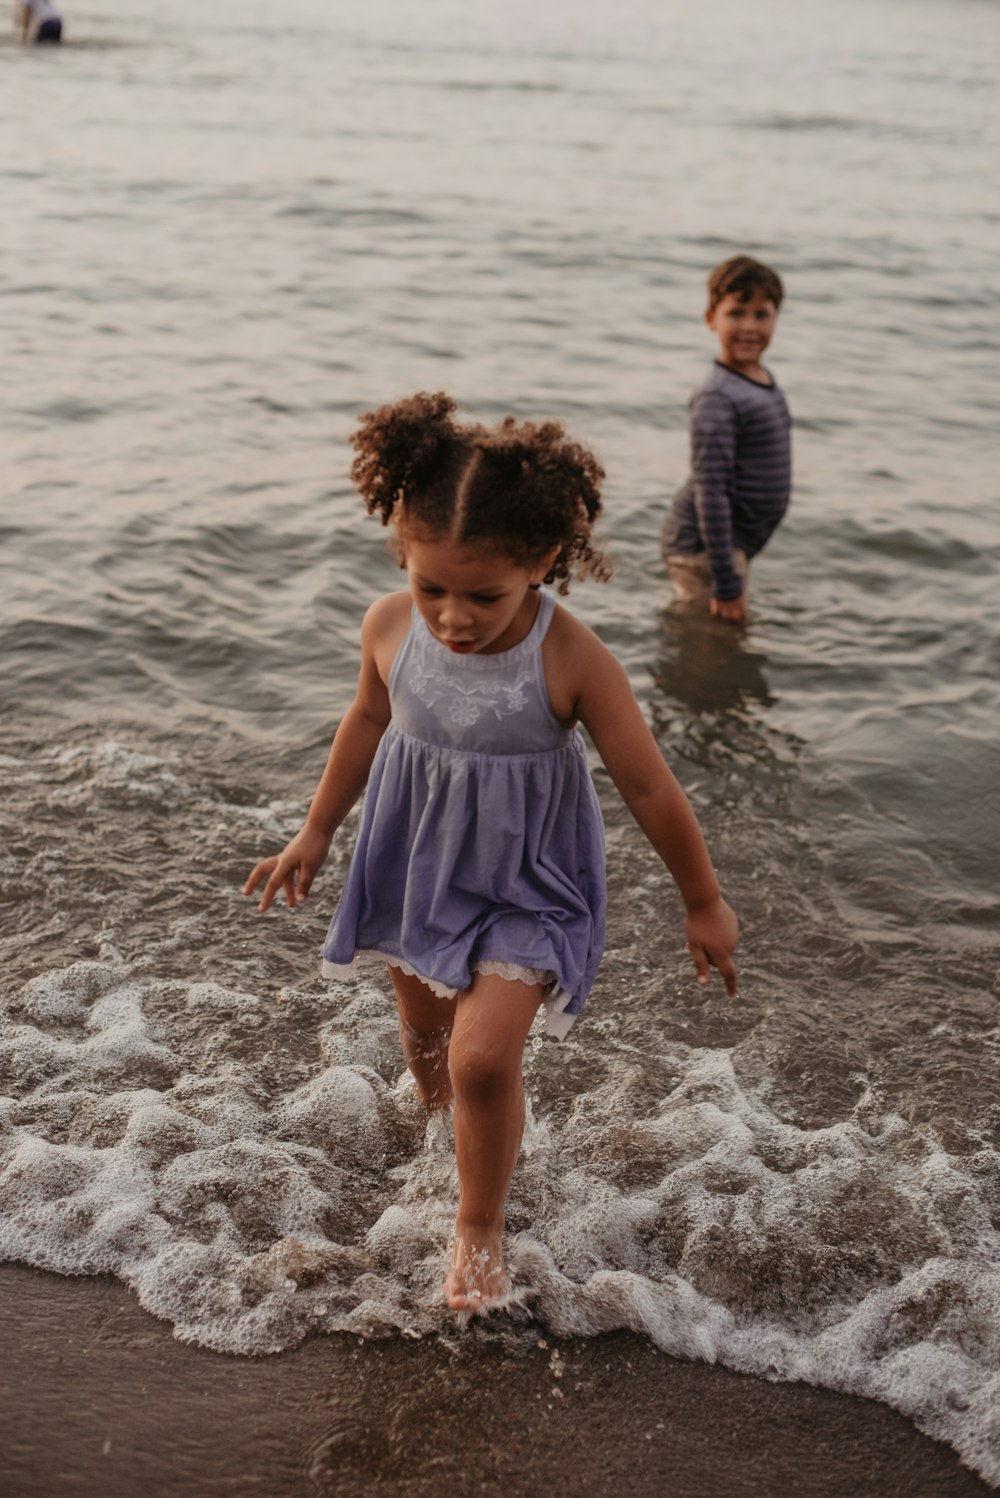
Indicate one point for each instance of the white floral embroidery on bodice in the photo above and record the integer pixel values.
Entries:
(464, 699)
(476, 704)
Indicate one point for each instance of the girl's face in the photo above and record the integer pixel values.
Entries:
(473, 599)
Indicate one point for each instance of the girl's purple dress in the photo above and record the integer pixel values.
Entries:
(481, 844)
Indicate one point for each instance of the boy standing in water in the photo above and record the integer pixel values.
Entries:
(740, 480)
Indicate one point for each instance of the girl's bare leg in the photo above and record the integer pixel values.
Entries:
(491, 1024)
(425, 1022)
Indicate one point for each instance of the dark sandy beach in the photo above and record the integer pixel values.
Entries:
(99, 1401)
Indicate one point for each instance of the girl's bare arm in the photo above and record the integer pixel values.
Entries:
(603, 701)
(346, 774)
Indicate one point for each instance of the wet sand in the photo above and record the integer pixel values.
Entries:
(99, 1401)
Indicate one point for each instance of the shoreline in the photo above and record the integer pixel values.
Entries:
(100, 1401)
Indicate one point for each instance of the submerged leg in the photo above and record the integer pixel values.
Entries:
(425, 1022)
(492, 1020)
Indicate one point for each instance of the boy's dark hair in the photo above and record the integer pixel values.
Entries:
(742, 276)
(521, 489)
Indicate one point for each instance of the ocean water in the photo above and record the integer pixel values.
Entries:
(229, 232)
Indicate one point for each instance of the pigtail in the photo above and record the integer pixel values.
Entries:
(399, 447)
(553, 496)
(525, 489)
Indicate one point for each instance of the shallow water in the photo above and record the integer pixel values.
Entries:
(226, 239)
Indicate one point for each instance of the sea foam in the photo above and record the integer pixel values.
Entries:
(251, 1206)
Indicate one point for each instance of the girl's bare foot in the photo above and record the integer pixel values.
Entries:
(478, 1278)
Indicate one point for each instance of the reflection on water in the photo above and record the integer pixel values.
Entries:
(708, 666)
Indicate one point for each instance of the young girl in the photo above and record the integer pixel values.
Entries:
(478, 875)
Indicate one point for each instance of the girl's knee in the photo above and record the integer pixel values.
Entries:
(482, 1073)
(430, 1040)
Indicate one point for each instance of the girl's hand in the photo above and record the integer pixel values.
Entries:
(712, 932)
(292, 870)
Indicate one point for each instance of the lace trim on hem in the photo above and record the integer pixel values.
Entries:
(514, 973)
(350, 969)
(554, 998)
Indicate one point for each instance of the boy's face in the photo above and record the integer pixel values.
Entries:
(744, 330)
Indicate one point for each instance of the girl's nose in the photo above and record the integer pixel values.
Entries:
(454, 613)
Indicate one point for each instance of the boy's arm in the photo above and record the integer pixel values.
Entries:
(607, 707)
(344, 778)
(713, 471)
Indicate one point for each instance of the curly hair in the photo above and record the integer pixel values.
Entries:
(521, 489)
(742, 276)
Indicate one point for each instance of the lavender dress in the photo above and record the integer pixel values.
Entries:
(481, 844)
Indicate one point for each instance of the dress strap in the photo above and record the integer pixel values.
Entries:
(405, 645)
(540, 627)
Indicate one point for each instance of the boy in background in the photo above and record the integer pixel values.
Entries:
(740, 481)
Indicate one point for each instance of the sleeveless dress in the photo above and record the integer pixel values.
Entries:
(481, 845)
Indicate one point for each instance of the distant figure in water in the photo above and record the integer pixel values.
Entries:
(740, 481)
(38, 21)
(478, 874)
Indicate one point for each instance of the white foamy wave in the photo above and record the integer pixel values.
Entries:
(78, 775)
(257, 1173)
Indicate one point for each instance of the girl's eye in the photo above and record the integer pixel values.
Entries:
(430, 592)
(485, 598)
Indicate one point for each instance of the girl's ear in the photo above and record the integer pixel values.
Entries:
(396, 543)
(543, 566)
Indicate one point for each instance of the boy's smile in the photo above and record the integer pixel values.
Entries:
(744, 329)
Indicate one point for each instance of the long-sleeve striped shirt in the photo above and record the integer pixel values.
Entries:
(741, 474)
